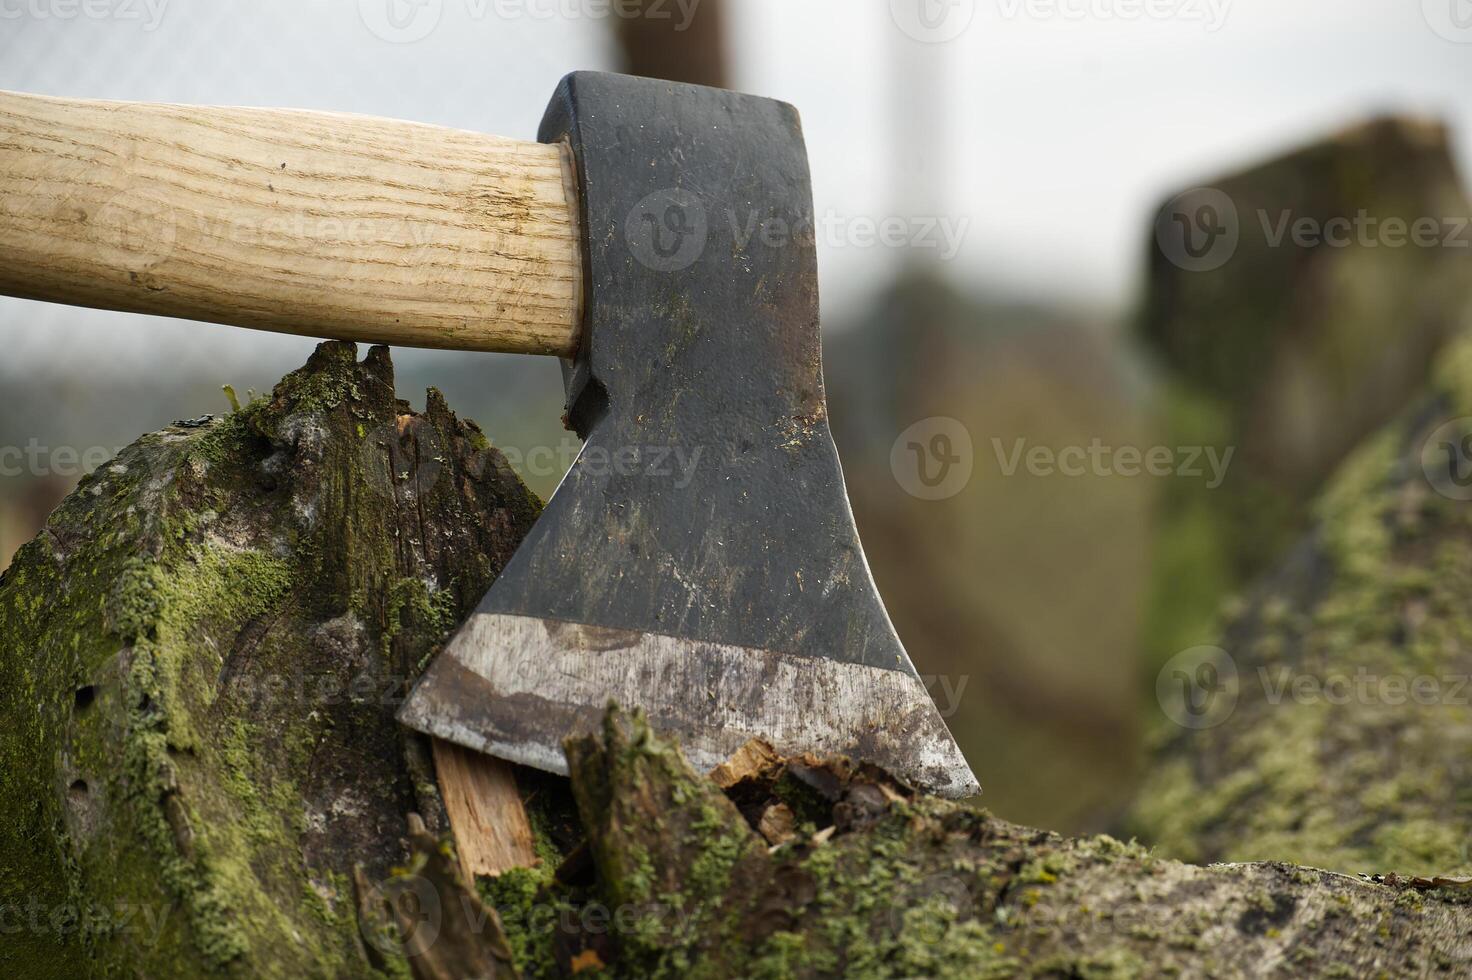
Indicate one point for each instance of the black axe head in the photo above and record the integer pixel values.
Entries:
(700, 559)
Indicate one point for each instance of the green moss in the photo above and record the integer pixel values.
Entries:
(1339, 773)
(523, 902)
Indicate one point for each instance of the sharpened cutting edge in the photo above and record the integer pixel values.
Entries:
(515, 686)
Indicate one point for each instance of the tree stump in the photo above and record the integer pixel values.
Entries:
(200, 660)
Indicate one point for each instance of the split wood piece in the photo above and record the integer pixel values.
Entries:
(492, 833)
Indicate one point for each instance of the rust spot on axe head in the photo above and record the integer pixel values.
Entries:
(700, 559)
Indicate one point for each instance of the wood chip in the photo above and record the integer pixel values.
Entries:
(777, 824)
(588, 959)
(751, 761)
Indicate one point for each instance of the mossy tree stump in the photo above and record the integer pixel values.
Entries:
(200, 659)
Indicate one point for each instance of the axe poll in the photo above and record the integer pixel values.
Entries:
(730, 601)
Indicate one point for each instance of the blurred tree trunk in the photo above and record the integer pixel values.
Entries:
(681, 42)
(1292, 352)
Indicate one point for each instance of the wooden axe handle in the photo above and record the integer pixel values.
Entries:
(312, 223)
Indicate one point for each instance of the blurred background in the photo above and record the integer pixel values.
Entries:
(1109, 288)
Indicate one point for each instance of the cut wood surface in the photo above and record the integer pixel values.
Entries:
(320, 224)
(492, 833)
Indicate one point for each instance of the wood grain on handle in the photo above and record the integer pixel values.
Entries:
(326, 225)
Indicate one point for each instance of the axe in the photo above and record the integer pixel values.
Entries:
(657, 238)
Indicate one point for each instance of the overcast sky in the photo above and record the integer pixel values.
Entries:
(1030, 137)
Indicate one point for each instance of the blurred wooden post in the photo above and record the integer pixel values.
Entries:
(666, 41)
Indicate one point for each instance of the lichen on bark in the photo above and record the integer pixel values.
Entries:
(887, 883)
(1341, 737)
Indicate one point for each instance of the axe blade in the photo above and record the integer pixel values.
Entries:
(700, 559)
